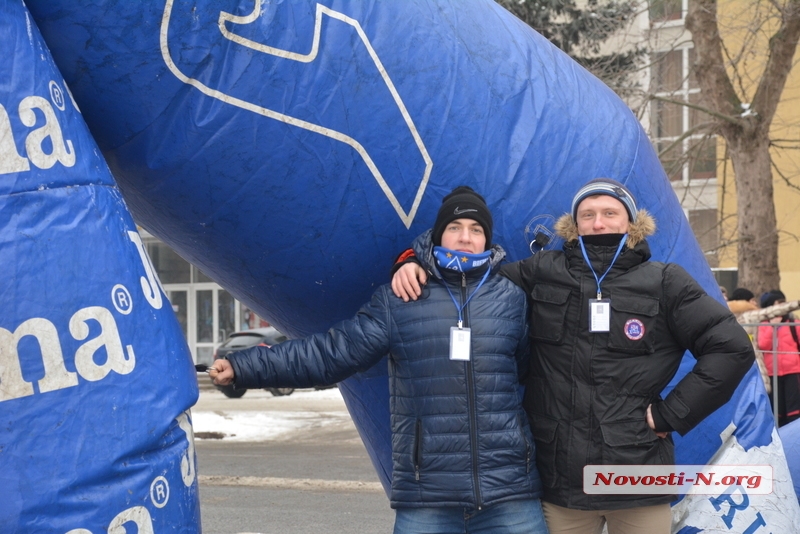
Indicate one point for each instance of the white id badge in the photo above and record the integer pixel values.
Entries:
(599, 315)
(459, 343)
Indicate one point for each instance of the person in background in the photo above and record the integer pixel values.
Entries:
(743, 300)
(724, 291)
(609, 329)
(744, 306)
(462, 450)
(785, 360)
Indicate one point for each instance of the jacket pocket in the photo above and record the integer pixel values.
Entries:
(549, 305)
(417, 448)
(545, 435)
(633, 322)
(632, 442)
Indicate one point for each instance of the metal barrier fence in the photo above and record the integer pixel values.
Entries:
(752, 330)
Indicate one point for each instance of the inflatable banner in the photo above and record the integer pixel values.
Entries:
(292, 149)
(95, 376)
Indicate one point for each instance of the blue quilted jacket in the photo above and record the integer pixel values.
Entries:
(459, 434)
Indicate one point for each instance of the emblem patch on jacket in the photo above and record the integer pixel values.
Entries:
(634, 329)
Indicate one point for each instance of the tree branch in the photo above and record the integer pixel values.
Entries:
(683, 136)
(726, 118)
(709, 67)
(782, 46)
(783, 176)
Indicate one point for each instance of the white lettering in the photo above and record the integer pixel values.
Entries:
(187, 460)
(138, 514)
(10, 160)
(71, 98)
(61, 152)
(56, 376)
(151, 286)
(108, 338)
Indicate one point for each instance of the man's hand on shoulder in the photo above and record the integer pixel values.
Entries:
(407, 282)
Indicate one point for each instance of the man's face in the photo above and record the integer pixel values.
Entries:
(464, 235)
(602, 214)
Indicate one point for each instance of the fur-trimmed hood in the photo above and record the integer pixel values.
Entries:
(645, 226)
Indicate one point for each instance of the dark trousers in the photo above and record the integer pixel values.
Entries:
(788, 398)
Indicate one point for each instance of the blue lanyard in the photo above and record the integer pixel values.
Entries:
(586, 257)
(461, 308)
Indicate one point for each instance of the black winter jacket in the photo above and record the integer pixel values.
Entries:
(459, 434)
(588, 392)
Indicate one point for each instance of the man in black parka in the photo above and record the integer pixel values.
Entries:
(593, 394)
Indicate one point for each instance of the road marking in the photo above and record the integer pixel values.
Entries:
(291, 483)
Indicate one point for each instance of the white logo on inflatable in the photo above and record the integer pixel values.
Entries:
(151, 285)
(62, 150)
(137, 515)
(188, 472)
(734, 510)
(408, 217)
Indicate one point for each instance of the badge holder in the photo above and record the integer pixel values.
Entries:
(460, 343)
(599, 315)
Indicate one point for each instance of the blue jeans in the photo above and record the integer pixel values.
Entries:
(514, 517)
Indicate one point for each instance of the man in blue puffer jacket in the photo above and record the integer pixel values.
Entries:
(463, 454)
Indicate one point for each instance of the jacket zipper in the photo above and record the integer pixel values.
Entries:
(473, 437)
(527, 444)
(417, 448)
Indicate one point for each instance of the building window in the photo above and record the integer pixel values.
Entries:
(678, 131)
(667, 71)
(171, 268)
(702, 157)
(664, 10)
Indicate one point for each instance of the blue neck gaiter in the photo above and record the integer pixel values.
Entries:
(459, 261)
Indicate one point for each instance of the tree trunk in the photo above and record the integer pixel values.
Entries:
(756, 223)
(746, 129)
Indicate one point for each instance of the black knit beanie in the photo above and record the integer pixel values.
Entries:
(741, 293)
(463, 203)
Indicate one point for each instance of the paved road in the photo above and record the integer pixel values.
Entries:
(316, 478)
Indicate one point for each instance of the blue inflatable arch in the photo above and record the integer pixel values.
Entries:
(292, 149)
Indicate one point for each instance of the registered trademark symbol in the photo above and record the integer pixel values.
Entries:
(121, 298)
(159, 492)
(57, 95)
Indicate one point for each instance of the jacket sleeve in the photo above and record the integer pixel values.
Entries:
(521, 273)
(321, 359)
(722, 348)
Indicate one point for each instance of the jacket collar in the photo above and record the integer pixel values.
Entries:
(636, 249)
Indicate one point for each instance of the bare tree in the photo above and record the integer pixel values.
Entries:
(741, 108)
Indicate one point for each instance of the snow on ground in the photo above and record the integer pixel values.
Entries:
(272, 424)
